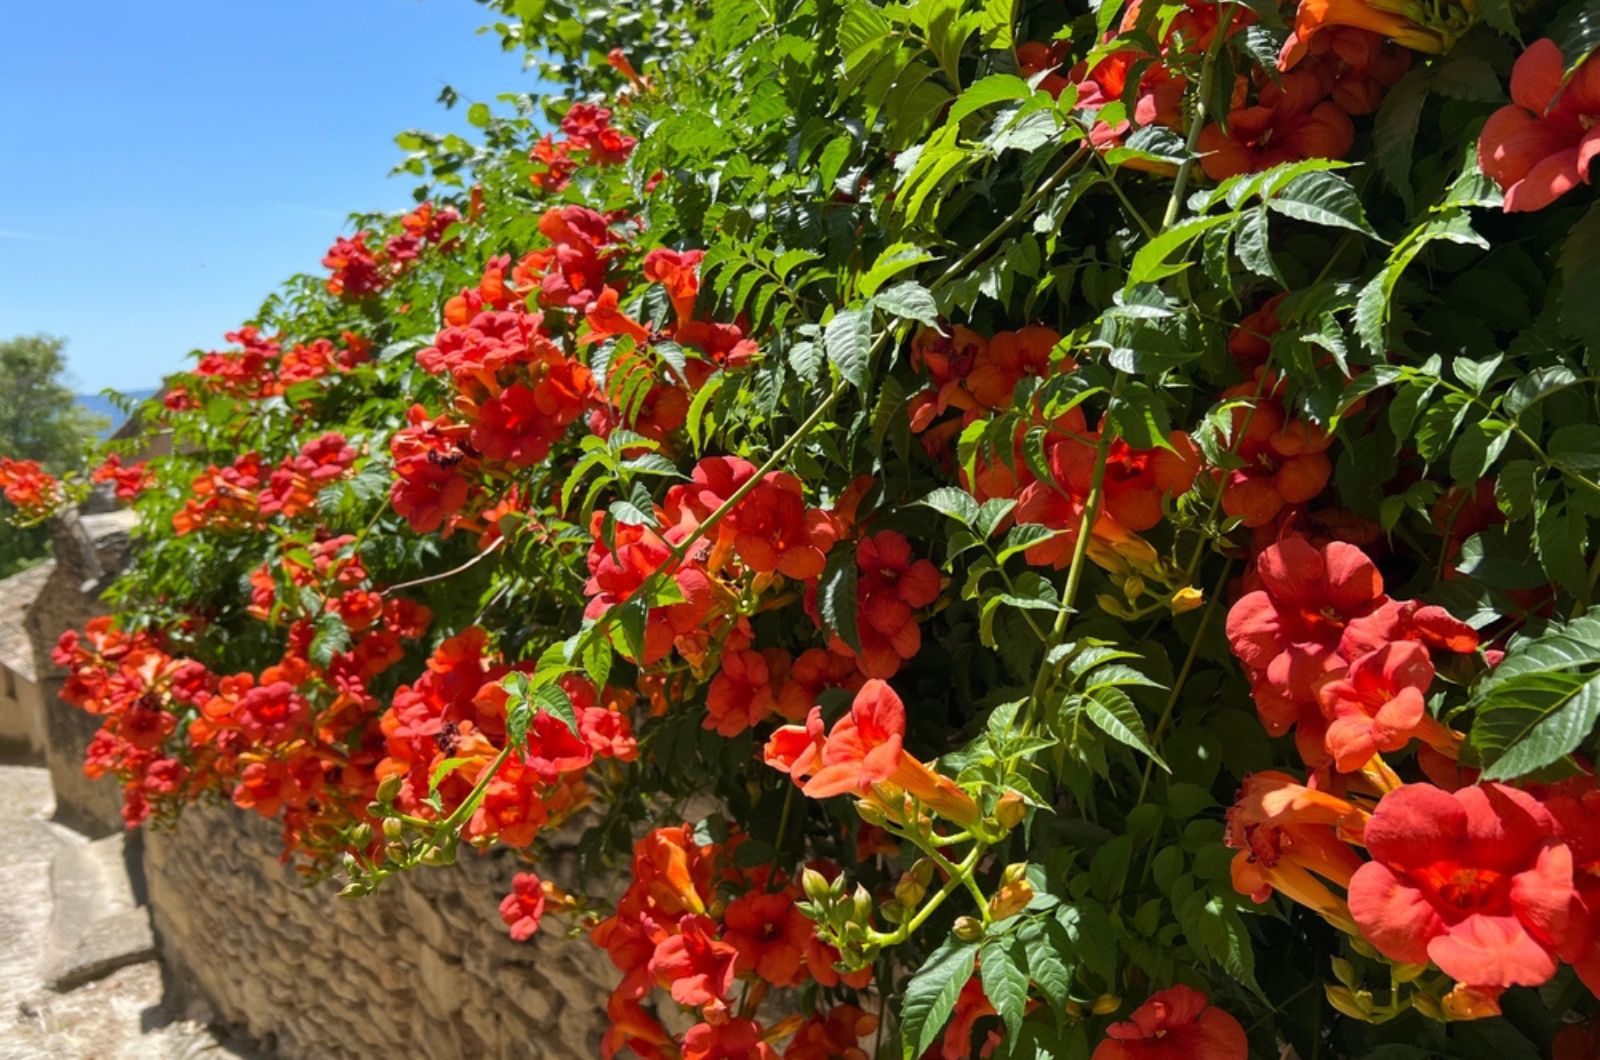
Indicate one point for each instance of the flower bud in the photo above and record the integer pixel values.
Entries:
(967, 928)
(361, 834)
(1349, 1002)
(1010, 900)
(352, 890)
(393, 828)
(1465, 1002)
(1105, 1004)
(1133, 588)
(389, 790)
(1185, 600)
(862, 904)
(1344, 971)
(870, 812)
(893, 911)
(377, 809)
(1074, 1009)
(438, 856)
(1408, 973)
(1010, 810)
(909, 891)
(815, 884)
(1112, 606)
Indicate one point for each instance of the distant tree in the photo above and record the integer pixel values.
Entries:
(39, 420)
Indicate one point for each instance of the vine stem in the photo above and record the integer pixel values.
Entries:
(1183, 675)
(1080, 549)
(1197, 121)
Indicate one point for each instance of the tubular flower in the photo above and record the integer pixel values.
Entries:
(26, 485)
(1430, 28)
(1378, 706)
(735, 1039)
(890, 586)
(1287, 836)
(1286, 630)
(1178, 1023)
(770, 934)
(1285, 461)
(834, 1036)
(693, 966)
(1576, 809)
(523, 908)
(744, 690)
(862, 752)
(1540, 146)
(1291, 120)
(1477, 882)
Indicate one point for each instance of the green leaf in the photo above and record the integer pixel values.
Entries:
(1252, 243)
(909, 301)
(1024, 536)
(1003, 968)
(519, 708)
(478, 114)
(1151, 262)
(955, 502)
(990, 514)
(1394, 131)
(931, 994)
(1541, 702)
(1325, 199)
(1050, 958)
(836, 595)
(444, 769)
(895, 259)
(1581, 36)
(554, 701)
(1560, 540)
(330, 637)
(1114, 714)
(848, 342)
(1579, 264)
(996, 88)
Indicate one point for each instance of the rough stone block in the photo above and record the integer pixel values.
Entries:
(96, 925)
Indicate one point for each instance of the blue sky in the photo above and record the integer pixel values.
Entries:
(166, 163)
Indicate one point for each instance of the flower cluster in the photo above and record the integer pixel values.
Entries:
(238, 496)
(358, 269)
(34, 492)
(718, 939)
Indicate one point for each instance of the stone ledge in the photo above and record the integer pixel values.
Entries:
(96, 924)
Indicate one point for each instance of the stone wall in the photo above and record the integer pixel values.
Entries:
(89, 549)
(422, 968)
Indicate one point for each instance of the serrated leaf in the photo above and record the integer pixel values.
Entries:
(331, 637)
(1541, 702)
(1024, 536)
(444, 769)
(554, 701)
(931, 993)
(1114, 714)
(1003, 970)
(1325, 199)
(954, 502)
(909, 301)
(894, 260)
(848, 342)
(996, 88)
(836, 595)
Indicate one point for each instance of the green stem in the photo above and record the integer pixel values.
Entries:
(1080, 549)
(1197, 120)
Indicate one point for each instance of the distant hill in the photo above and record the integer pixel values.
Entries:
(99, 406)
